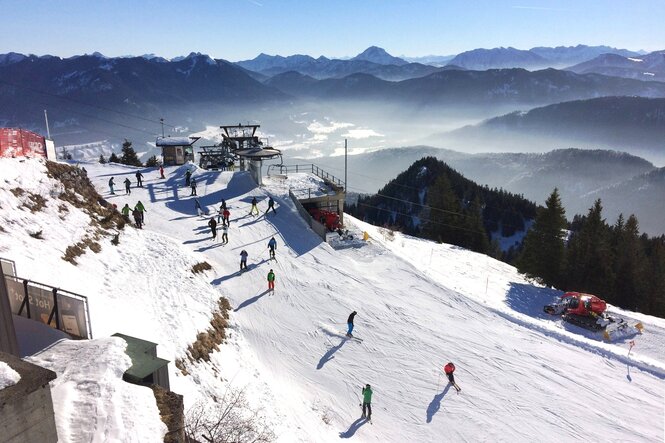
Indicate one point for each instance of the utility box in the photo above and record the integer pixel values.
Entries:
(147, 368)
(26, 408)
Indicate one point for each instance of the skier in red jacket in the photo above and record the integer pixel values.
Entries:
(449, 369)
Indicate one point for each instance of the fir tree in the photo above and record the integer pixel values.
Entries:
(629, 263)
(443, 212)
(128, 155)
(102, 160)
(590, 256)
(113, 158)
(544, 251)
(152, 162)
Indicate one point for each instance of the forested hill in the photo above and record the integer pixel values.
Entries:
(432, 200)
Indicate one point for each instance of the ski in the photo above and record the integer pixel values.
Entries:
(353, 337)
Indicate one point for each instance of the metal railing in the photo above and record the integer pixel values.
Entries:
(312, 168)
(60, 309)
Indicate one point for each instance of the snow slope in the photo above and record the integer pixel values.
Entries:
(524, 375)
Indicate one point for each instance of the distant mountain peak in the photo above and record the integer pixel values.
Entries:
(378, 55)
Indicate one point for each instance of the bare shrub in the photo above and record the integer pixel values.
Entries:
(17, 192)
(200, 267)
(115, 241)
(35, 202)
(37, 235)
(229, 420)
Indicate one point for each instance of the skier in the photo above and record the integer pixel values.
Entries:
(142, 210)
(271, 280)
(188, 176)
(243, 259)
(139, 179)
(197, 207)
(111, 185)
(449, 369)
(213, 227)
(225, 217)
(349, 323)
(367, 402)
(137, 218)
(220, 213)
(254, 203)
(193, 185)
(271, 205)
(125, 212)
(161, 171)
(225, 232)
(128, 186)
(272, 245)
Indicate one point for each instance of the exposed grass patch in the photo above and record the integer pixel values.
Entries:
(72, 252)
(208, 341)
(35, 202)
(17, 192)
(200, 267)
(79, 191)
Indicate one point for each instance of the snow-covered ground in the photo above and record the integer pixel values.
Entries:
(524, 376)
(8, 376)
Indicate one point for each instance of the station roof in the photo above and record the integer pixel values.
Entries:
(176, 141)
(258, 153)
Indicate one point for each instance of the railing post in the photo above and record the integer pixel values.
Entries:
(54, 311)
(26, 299)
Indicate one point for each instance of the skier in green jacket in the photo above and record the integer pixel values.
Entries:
(139, 207)
(367, 402)
(271, 281)
(125, 212)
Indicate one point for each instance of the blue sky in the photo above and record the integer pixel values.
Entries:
(241, 29)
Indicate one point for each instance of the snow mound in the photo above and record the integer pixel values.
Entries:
(8, 376)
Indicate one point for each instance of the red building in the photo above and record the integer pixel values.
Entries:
(16, 142)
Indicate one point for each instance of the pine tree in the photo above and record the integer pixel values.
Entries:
(128, 155)
(630, 264)
(102, 160)
(544, 250)
(152, 162)
(443, 212)
(114, 158)
(590, 256)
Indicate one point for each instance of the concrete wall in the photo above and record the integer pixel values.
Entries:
(317, 227)
(26, 408)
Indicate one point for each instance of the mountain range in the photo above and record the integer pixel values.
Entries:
(634, 124)
(648, 67)
(477, 59)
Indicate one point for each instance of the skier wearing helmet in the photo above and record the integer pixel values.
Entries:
(367, 402)
(449, 369)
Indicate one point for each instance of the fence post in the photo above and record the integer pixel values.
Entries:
(26, 300)
(54, 311)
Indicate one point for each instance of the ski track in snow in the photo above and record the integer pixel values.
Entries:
(524, 375)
